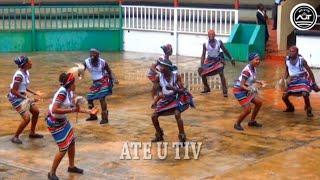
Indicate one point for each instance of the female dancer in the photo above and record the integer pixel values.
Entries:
(60, 127)
(173, 100)
(301, 80)
(246, 93)
(102, 84)
(19, 100)
(154, 69)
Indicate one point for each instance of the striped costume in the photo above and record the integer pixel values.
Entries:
(171, 99)
(102, 83)
(153, 73)
(242, 95)
(58, 124)
(21, 105)
(213, 64)
(299, 78)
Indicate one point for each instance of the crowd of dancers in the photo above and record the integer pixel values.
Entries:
(168, 94)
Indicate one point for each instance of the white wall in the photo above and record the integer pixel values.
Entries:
(191, 44)
(150, 42)
(309, 49)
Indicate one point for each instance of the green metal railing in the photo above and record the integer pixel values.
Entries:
(78, 17)
(28, 22)
(15, 18)
(60, 17)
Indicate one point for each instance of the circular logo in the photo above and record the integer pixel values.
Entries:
(303, 16)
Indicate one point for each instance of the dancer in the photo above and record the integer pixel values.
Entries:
(301, 80)
(60, 127)
(20, 101)
(246, 93)
(154, 69)
(173, 100)
(214, 63)
(102, 84)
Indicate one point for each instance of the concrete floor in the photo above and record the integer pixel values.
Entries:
(287, 147)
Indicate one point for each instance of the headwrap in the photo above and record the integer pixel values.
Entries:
(166, 48)
(94, 50)
(167, 63)
(252, 56)
(21, 60)
(68, 80)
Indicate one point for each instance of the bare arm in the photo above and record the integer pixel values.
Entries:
(203, 56)
(107, 68)
(180, 84)
(85, 66)
(32, 92)
(286, 72)
(225, 50)
(58, 110)
(307, 67)
(15, 90)
(243, 84)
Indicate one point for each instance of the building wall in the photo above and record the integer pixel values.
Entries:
(309, 50)
(284, 25)
(150, 42)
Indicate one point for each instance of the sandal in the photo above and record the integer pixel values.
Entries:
(75, 170)
(35, 136)
(238, 127)
(16, 140)
(254, 124)
(52, 176)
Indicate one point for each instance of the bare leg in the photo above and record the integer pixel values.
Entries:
(258, 103)
(308, 107)
(224, 84)
(182, 135)
(205, 84)
(23, 124)
(155, 122)
(57, 159)
(104, 111)
(244, 114)
(71, 154)
(159, 132)
(285, 98)
(91, 106)
(35, 114)
(177, 115)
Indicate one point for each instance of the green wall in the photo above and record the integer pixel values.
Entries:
(77, 40)
(15, 41)
(245, 39)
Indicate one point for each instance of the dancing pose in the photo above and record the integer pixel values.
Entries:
(214, 63)
(173, 100)
(246, 93)
(20, 101)
(59, 126)
(301, 80)
(102, 84)
(154, 69)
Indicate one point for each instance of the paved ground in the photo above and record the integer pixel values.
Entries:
(287, 147)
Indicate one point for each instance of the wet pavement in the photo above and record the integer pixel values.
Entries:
(286, 147)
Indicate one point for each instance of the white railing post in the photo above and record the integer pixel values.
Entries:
(236, 16)
(196, 20)
(175, 33)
